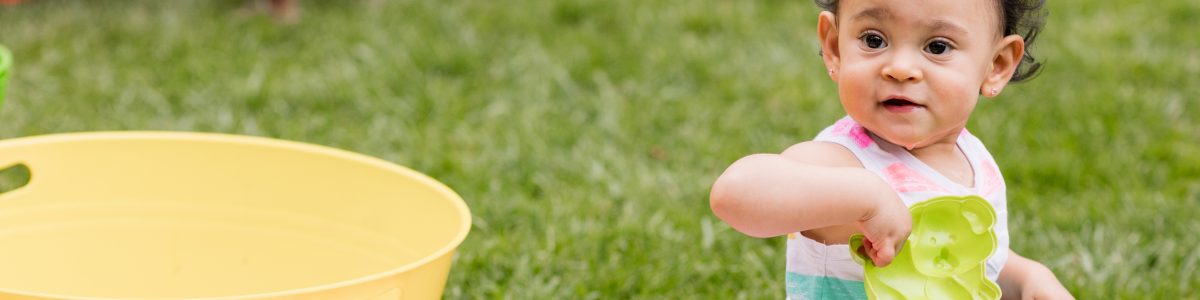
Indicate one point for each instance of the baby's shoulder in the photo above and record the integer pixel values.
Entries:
(822, 153)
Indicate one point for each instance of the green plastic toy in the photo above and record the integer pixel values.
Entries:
(944, 256)
(5, 62)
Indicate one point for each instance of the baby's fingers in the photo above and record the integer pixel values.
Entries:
(883, 256)
(881, 253)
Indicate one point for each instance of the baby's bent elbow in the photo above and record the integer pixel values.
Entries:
(727, 197)
(721, 198)
(726, 190)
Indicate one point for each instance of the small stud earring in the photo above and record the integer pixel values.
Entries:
(830, 71)
(995, 92)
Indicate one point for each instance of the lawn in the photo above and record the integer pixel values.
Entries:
(584, 135)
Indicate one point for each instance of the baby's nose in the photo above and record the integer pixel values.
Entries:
(902, 68)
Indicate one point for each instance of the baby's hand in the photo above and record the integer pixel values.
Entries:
(1043, 285)
(885, 229)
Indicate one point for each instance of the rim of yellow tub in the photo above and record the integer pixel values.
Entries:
(464, 211)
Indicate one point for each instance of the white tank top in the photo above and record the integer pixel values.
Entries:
(819, 271)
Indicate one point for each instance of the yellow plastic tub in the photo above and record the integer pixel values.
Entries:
(159, 215)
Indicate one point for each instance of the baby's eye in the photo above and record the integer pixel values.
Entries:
(873, 40)
(938, 47)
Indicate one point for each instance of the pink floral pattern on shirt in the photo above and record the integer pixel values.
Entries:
(858, 133)
(906, 180)
(991, 178)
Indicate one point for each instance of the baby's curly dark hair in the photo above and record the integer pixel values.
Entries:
(1023, 17)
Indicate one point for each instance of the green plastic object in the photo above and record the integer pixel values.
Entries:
(944, 256)
(5, 63)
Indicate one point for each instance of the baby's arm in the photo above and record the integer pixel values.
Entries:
(809, 186)
(1026, 279)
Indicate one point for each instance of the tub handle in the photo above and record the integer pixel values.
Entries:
(8, 168)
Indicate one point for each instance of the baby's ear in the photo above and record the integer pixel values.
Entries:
(827, 32)
(1005, 60)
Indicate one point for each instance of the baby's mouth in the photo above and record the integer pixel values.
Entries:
(901, 105)
(899, 102)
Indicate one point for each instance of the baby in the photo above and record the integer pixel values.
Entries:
(909, 73)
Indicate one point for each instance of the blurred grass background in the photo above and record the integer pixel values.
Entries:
(585, 134)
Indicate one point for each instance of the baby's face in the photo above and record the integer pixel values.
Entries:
(911, 70)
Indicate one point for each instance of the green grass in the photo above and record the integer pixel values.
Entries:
(585, 135)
